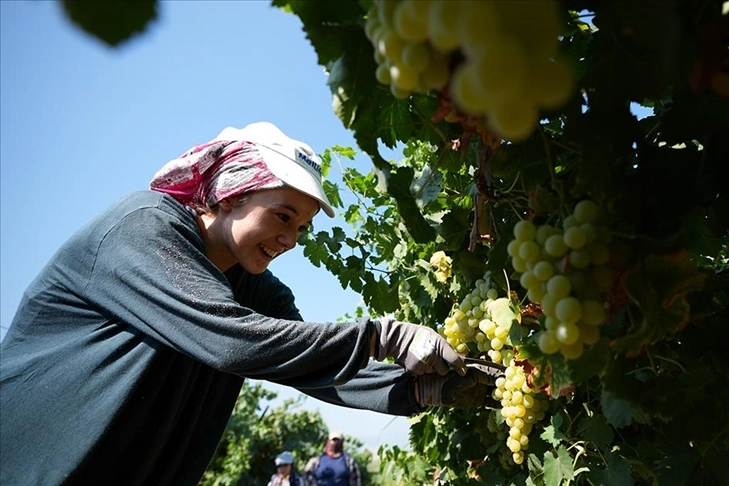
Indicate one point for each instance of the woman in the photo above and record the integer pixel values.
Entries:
(285, 474)
(127, 352)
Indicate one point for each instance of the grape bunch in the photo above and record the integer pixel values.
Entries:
(482, 319)
(485, 319)
(498, 59)
(521, 406)
(567, 271)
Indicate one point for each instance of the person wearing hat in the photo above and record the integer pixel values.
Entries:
(334, 467)
(128, 351)
(285, 474)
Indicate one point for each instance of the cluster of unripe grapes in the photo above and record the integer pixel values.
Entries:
(498, 59)
(484, 318)
(521, 406)
(567, 271)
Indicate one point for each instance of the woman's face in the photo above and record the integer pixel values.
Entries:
(262, 227)
(284, 469)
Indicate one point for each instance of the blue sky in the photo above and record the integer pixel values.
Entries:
(82, 125)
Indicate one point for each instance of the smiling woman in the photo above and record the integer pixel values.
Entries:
(131, 345)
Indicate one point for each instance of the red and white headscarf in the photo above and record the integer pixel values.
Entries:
(209, 173)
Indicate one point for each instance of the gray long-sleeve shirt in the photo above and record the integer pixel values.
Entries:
(127, 353)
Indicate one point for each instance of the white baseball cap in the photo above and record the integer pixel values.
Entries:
(292, 161)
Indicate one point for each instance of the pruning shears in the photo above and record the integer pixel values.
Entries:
(489, 368)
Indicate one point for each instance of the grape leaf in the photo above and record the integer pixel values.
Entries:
(111, 22)
(617, 472)
(659, 286)
(426, 187)
(551, 433)
(591, 363)
(619, 412)
(559, 468)
(399, 188)
(596, 430)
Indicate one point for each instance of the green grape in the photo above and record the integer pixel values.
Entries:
(568, 309)
(479, 25)
(555, 246)
(548, 342)
(593, 312)
(513, 119)
(588, 334)
(579, 258)
(503, 70)
(410, 19)
(551, 83)
(415, 56)
(543, 270)
(528, 280)
(545, 231)
(549, 303)
(383, 74)
(567, 333)
(466, 91)
(444, 25)
(386, 12)
(551, 323)
(529, 251)
(398, 92)
(586, 211)
(536, 294)
(537, 22)
(559, 286)
(574, 237)
(390, 45)
(517, 457)
(371, 24)
(590, 232)
(572, 351)
(492, 294)
(513, 248)
(403, 78)
(569, 222)
(436, 74)
(519, 264)
(524, 230)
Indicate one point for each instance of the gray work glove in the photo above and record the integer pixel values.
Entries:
(419, 349)
(473, 390)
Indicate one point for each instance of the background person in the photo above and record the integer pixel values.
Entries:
(334, 467)
(285, 473)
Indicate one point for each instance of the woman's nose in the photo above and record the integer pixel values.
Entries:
(288, 239)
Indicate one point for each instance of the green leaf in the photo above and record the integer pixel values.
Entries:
(619, 412)
(659, 286)
(399, 188)
(591, 363)
(617, 472)
(111, 21)
(595, 429)
(426, 187)
(551, 433)
(395, 121)
(559, 468)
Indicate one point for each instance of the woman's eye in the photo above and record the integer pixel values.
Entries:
(284, 217)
